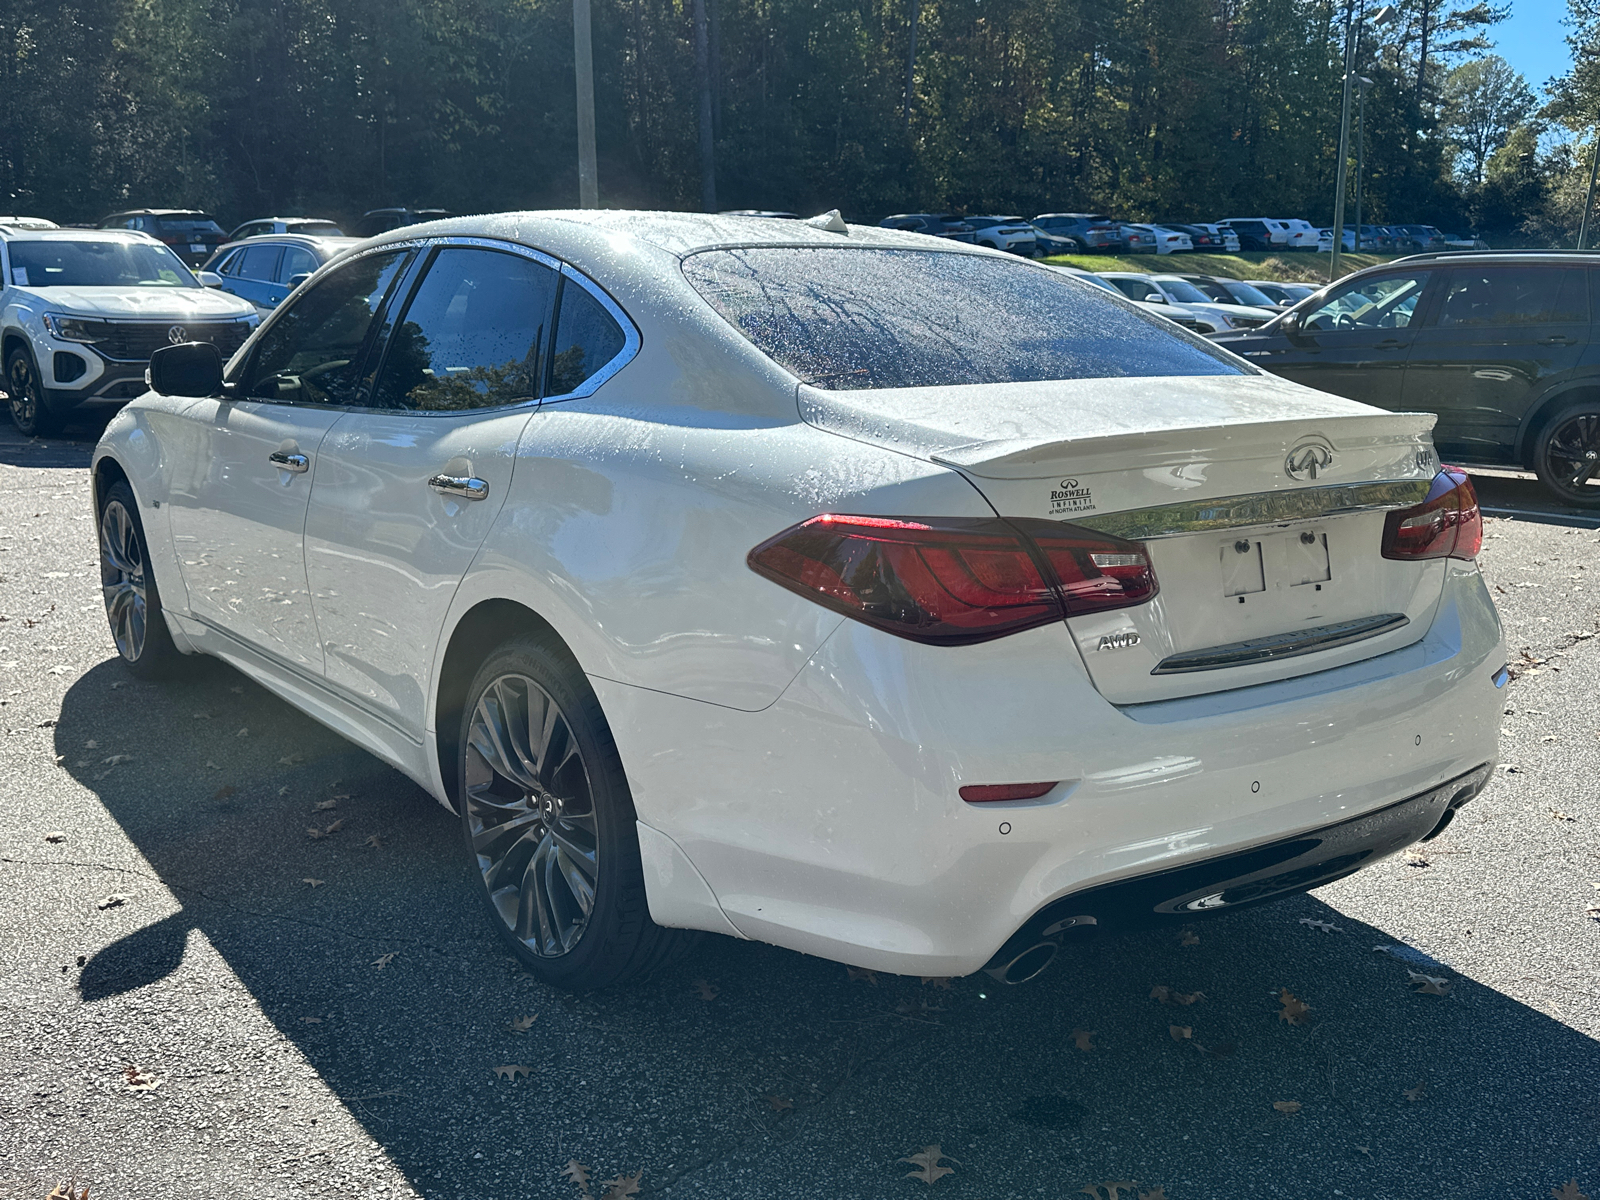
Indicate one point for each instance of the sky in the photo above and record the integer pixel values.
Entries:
(1533, 40)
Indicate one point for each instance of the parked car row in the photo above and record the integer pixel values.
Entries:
(1079, 233)
(195, 236)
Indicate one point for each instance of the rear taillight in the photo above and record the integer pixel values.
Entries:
(1448, 524)
(953, 581)
(999, 793)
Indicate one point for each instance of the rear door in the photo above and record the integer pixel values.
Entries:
(1356, 343)
(1501, 334)
(410, 480)
(251, 274)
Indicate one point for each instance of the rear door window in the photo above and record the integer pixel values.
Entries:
(472, 334)
(297, 260)
(844, 318)
(258, 262)
(1496, 295)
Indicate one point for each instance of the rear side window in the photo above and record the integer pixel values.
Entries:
(844, 318)
(587, 338)
(257, 262)
(297, 260)
(1515, 296)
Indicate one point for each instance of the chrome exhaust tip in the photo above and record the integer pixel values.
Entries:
(1025, 965)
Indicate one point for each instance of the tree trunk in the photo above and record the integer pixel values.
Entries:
(702, 64)
(911, 62)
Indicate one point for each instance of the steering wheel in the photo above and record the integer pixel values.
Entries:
(1344, 321)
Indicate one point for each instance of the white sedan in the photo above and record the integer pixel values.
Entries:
(887, 599)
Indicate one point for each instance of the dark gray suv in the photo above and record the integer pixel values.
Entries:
(1501, 346)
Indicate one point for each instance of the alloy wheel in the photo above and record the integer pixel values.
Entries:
(22, 388)
(122, 580)
(1572, 457)
(531, 815)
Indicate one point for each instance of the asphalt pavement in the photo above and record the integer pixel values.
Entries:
(199, 998)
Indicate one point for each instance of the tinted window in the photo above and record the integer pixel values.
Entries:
(229, 263)
(297, 260)
(313, 351)
(1180, 292)
(471, 336)
(187, 223)
(1137, 289)
(587, 338)
(109, 263)
(1244, 293)
(315, 228)
(1515, 296)
(1375, 302)
(258, 262)
(1213, 291)
(870, 318)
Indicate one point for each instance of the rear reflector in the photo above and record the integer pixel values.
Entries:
(1447, 524)
(953, 581)
(988, 793)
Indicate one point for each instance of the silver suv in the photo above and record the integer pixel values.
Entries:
(82, 309)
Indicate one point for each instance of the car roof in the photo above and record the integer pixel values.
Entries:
(19, 222)
(1085, 215)
(30, 234)
(286, 220)
(576, 232)
(316, 241)
(157, 212)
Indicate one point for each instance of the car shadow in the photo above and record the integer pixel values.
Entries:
(1522, 497)
(72, 447)
(752, 1071)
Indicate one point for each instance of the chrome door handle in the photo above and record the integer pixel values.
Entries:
(1391, 344)
(289, 462)
(461, 487)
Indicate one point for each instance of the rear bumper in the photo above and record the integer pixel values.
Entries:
(831, 823)
(1268, 872)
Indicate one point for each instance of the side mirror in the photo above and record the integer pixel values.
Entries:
(1290, 323)
(209, 279)
(188, 369)
(296, 280)
(1156, 298)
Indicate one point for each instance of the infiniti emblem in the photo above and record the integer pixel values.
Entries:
(1308, 458)
(177, 334)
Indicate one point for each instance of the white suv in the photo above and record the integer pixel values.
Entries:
(81, 310)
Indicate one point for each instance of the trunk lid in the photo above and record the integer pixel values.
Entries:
(1261, 504)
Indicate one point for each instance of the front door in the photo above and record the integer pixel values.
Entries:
(242, 469)
(1356, 343)
(408, 486)
(1501, 334)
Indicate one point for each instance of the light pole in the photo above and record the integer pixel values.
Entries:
(1352, 27)
(583, 69)
(1361, 152)
(1588, 196)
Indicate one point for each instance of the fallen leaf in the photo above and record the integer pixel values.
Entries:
(323, 805)
(927, 1164)
(1367, 1150)
(237, 691)
(708, 990)
(1592, 912)
(316, 883)
(1114, 1188)
(119, 684)
(1294, 1009)
(1167, 996)
(512, 1071)
(852, 974)
(1180, 1033)
(522, 1024)
(202, 716)
(622, 1186)
(1416, 858)
(283, 791)
(314, 833)
(1568, 1191)
(1555, 813)
(1432, 985)
(223, 792)
(291, 760)
(578, 1174)
(311, 1020)
(342, 796)
(1158, 1193)
(211, 766)
(1322, 926)
(1286, 1106)
(335, 827)
(1413, 1094)
(91, 744)
(114, 900)
(242, 733)
(55, 836)
(778, 1103)
(938, 981)
(384, 960)
(116, 760)
(56, 1193)
(140, 1081)
(377, 841)
(1188, 938)
(1081, 1039)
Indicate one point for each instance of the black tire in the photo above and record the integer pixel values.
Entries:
(552, 784)
(133, 602)
(31, 411)
(1566, 454)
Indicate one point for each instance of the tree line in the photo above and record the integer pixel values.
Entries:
(1178, 109)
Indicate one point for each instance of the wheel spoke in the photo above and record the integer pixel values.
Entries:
(490, 836)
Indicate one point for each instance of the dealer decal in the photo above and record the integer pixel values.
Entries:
(1070, 496)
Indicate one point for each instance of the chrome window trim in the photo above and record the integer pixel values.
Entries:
(630, 338)
(1260, 508)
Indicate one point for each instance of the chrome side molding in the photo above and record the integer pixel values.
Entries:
(1282, 645)
(1261, 508)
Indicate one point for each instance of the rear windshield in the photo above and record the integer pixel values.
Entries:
(188, 223)
(315, 228)
(97, 264)
(845, 318)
